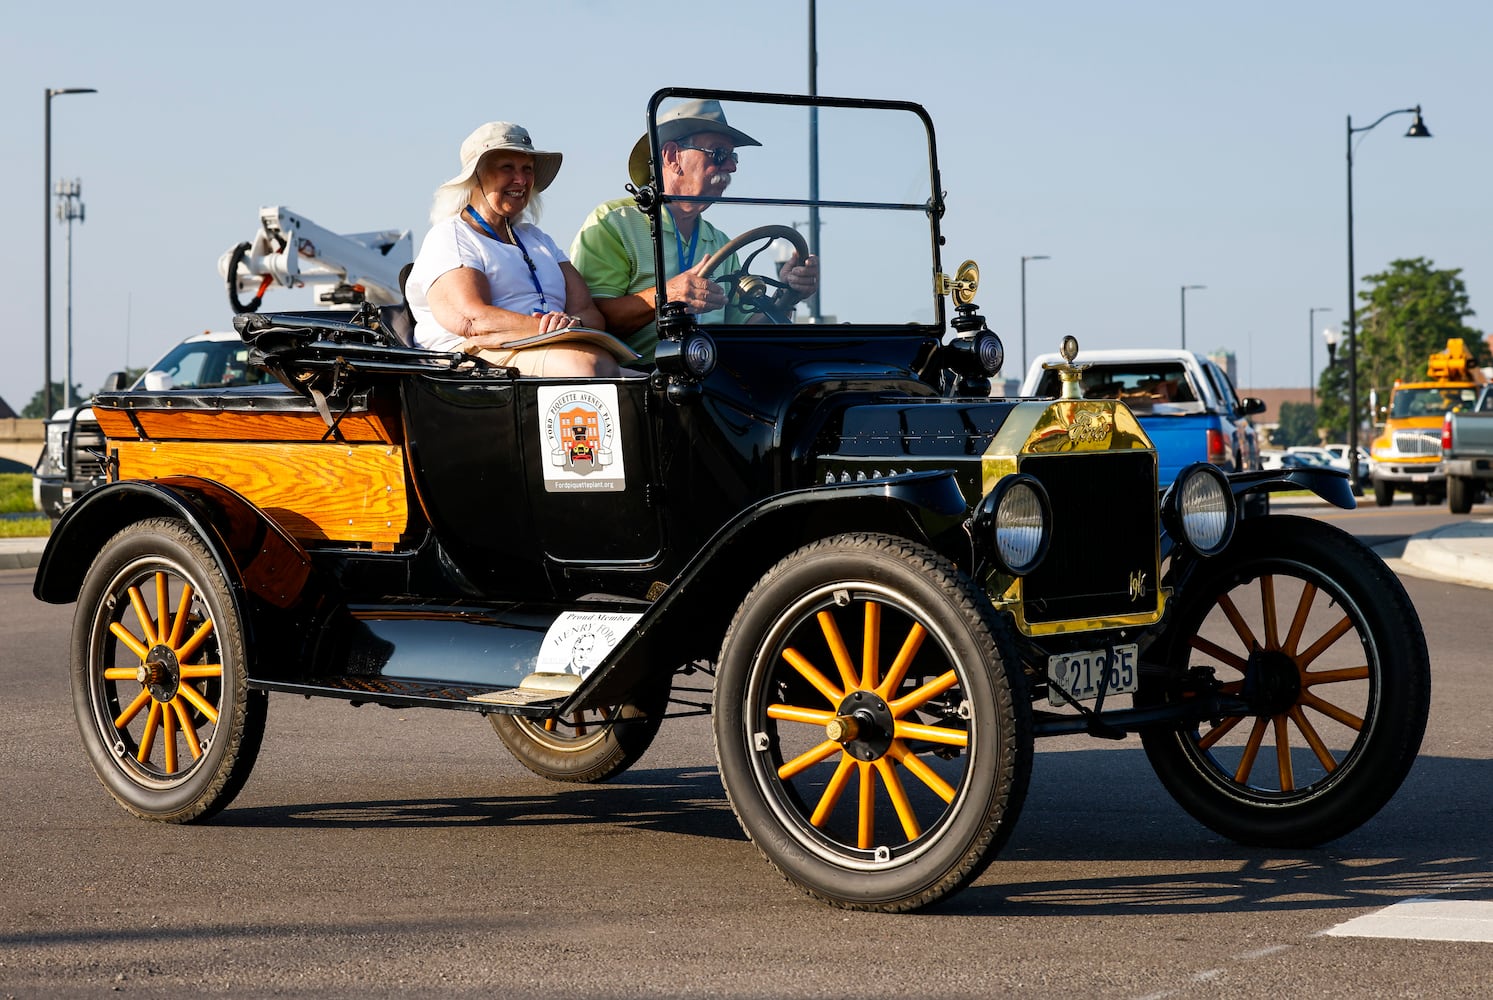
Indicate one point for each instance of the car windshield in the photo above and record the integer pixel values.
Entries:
(852, 181)
(203, 364)
(1159, 387)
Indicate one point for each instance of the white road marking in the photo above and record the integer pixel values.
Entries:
(1424, 920)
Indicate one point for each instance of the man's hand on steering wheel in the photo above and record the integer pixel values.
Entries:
(758, 295)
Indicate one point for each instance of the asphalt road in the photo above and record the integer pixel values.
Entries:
(376, 852)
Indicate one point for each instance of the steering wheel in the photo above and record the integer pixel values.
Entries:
(750, 291)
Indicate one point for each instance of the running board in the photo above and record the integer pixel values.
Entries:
(537, 700)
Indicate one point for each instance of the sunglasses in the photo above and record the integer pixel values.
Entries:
(717, 156)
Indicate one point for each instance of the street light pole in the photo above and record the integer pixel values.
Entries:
(1185, 290)
(1024, 360)
(1311, 343)
(1417, 130)
(46, 269)
(814, 152)
(69, 207)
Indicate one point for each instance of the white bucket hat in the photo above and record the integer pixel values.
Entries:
(676, 123)
(505, 135)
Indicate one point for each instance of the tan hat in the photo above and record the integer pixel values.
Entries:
(505, 135)
(676, 123)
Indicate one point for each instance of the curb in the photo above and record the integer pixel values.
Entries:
(1460, 552)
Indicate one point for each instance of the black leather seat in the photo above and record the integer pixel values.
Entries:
(398, 321)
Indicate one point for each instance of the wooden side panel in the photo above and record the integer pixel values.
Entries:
(317, 492)
(239, 425)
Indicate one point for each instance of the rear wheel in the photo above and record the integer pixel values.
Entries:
(589, 745)
(160, 690)
(1459, 494)
(871, 725)
(1317, 637)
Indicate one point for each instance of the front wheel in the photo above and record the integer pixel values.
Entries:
(592, 744)
(1384, 493)
(871, 725)
(160, 690)
(1309, 629)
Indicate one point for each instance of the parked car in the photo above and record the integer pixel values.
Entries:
(1186, 403)
(1339, 459)
(892, 582)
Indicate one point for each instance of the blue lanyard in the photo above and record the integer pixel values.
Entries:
(685, 263)
(533, 271)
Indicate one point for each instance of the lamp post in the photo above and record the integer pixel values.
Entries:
(69, 207)
(1185, 290)
(1036, 256)
(1417, 130)
(1311, 340)
(46, 268)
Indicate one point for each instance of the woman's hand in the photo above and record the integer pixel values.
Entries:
(551, 321)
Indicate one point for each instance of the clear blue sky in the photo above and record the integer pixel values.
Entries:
(1142, 145)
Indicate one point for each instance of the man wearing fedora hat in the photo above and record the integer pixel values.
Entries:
(487, 282)
(614, 252)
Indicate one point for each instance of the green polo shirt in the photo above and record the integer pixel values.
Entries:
(614, 253)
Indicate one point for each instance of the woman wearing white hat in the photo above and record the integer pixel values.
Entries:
(487, 283)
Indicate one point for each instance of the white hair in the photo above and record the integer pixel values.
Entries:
(450, 199)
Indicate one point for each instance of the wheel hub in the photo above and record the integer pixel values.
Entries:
(1272, 682)
(160, 673)
(863, 725)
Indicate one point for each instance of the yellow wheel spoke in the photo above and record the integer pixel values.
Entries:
(1313, 740)
(832, 791)
(811, 674)
(792, 713)
(865, 829)
(188, 730)
(870, 646)
(895, 792)
(1332, 711)
(199, 671)
(1329, 637)
(187, 651)
(179, 625)
(132, 709)
(1283, 754)
(147, 738)
(124, 635)
(837, 648)
(579, 722)
(1251, 749)
(1267, 604)
(923, 695)
(1219, 653)
(1298, 621)
(168, 737)
(119, 673)
(200, 703)
(930, 734)
(1219, 731)
(1241, 627)
(808, 759)
(914, 764)
(1311, 679)
(910, 646)
(147, 624)
(163, 605)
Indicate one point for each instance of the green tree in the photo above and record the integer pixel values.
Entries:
(1408, 313)
(1297, 425)
(37, 408)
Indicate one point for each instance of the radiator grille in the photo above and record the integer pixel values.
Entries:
(1418, 442)
(1104, 509)
(87, 446)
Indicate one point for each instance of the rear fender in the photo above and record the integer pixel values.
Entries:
(689, 619)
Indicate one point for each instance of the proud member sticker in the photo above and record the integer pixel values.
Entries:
(581, 439)
(579, 640)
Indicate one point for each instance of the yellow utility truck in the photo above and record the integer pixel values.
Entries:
(1407, 451)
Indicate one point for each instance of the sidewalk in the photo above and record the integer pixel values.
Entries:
(1461, 552)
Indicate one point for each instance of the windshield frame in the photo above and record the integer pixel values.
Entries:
(651, 200)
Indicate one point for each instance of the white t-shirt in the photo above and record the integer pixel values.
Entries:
(452, 244)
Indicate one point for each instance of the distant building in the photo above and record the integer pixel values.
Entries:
(1226, 360)
(6, 413)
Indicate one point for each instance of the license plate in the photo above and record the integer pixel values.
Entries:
(1421, 477)
(1082, 673)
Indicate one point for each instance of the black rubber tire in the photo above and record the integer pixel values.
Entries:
(145, 557)
(1459, 494)
(1419, 498)
(957, 825)
(1384, 493)
(1318, 580)
(589, 746)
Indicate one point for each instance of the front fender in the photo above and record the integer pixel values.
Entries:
(689, 619)
(1329, 484)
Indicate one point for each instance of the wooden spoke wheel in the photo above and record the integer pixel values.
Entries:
(590, 745)
(1317, 637)
(159, 686)
(869, 723)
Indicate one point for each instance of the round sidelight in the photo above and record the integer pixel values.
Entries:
(1017, 516)
(989, 352)
(694, 357)
(1205, 506)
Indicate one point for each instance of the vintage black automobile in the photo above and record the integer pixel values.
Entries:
(895, 581)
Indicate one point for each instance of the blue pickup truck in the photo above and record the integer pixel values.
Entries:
(1186, 403)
